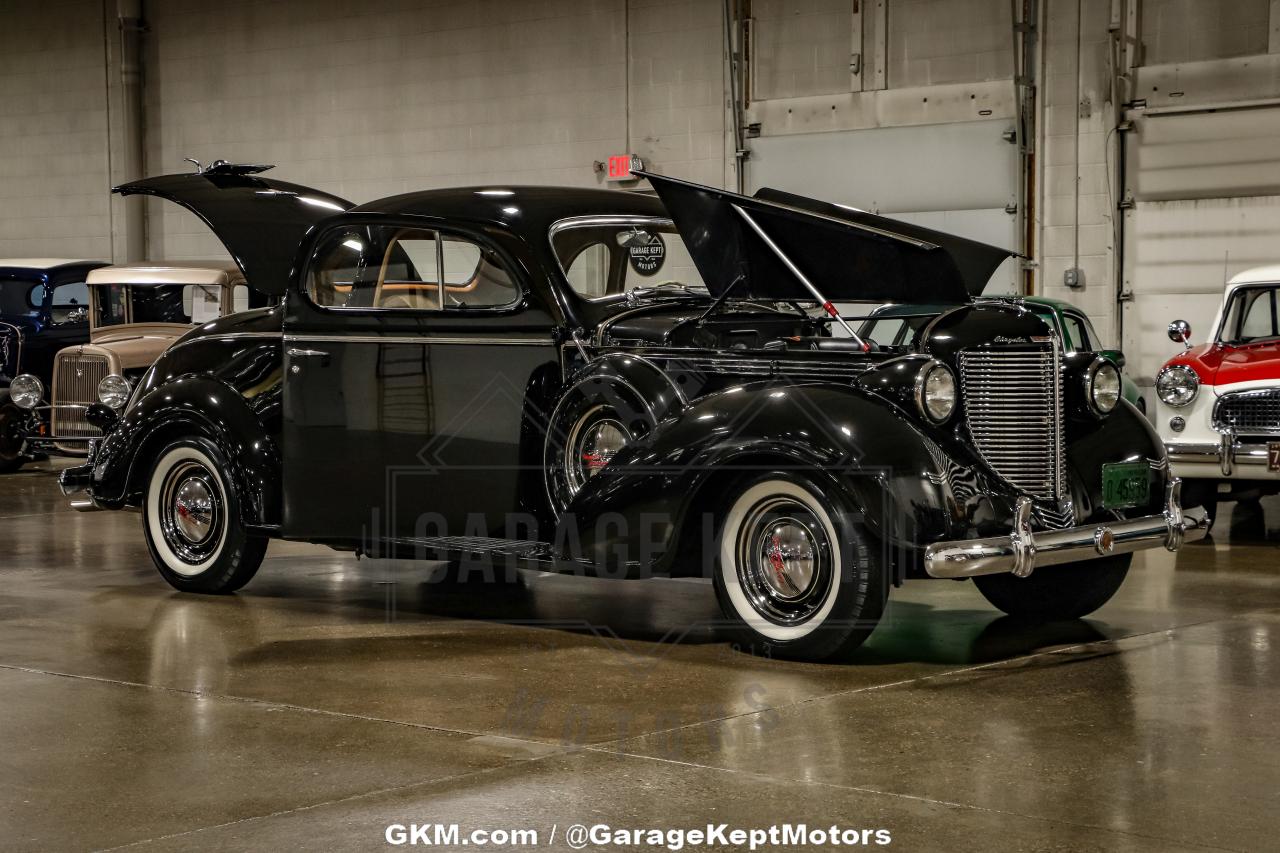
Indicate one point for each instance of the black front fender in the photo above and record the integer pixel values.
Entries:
(186, 407)
(634, 513)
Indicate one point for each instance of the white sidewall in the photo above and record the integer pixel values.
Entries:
(729, 565)
(151, 513)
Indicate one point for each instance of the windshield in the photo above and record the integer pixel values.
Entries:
(1251, 316)
(608, 256)
(164, 303)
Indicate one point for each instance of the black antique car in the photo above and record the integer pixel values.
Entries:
(626, 386)
(44, 307)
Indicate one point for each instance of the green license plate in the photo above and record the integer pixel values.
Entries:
(1125, 484)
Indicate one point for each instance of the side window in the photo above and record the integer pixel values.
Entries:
(588, 272)
(239, 298)
(887, 332)
(410, 269)
(1077, 329)
(70, 302)
(1260, 316)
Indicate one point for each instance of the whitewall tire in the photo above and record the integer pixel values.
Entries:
(191, 516)
(797, 574)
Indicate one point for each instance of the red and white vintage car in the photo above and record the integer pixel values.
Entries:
(1218, 403)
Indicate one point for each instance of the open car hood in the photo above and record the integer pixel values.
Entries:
(262, 222)
(848, 255)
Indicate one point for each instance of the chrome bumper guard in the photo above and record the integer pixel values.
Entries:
(1024, 549)
(74, 483)
(1228, 453)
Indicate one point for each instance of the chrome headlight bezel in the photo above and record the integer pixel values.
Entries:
(1101, 367)
(26, 391)
(114, 391)
(1168, 393)
(936, 392)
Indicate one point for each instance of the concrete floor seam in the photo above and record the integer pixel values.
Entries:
(904, 796)
(312, 806)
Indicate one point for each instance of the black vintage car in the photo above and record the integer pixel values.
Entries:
(627, 386)
(44, 307)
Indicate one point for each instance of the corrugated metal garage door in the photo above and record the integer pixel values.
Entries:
(955, 177)
(1206, 188)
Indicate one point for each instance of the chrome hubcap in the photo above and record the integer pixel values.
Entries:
(593, 443)
(786, 554)
(784, 560)
(191, 512)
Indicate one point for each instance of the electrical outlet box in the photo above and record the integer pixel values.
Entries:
(1073, 278)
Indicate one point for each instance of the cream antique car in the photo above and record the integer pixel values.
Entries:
(135, 312)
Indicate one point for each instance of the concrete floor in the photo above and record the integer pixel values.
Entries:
(323, 703)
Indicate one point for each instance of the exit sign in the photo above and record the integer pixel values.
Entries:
(620, 167)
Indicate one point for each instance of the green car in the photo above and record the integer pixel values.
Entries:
(894, 325)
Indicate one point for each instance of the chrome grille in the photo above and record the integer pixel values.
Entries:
(75, 381)
(1246, 412)
(1013, 403)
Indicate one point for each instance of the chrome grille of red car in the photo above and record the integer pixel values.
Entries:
(75, 381)
(1012, 397)
(1249, 412)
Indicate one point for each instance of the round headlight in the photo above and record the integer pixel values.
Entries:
(113, 391)
(1177, 385)
(26, 391)
(1104, 386)
(936, 391)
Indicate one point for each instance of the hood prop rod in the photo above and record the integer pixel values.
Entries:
(800, 277)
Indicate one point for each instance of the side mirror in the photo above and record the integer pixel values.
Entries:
(1180, 332)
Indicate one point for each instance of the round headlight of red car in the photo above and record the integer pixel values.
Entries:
(1177, 385)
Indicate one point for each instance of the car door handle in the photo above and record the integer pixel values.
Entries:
(306, 353)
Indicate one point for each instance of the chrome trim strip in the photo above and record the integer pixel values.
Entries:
(1023, 550)
(418, 339)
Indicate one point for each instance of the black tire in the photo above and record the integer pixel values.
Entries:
(1054, 593)
(823, 605)
(191, 517)
(12, 421)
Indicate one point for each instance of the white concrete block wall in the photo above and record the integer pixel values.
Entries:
(1077, 201)
(385, 97)
(53, 130)
(1191, 30)
(949, 41)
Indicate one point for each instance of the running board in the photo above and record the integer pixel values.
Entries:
(456, 547)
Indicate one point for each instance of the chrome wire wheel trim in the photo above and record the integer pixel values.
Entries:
(779, 560)
(594, 440)
(186, 511)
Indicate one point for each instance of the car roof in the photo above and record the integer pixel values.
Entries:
(14, 266)
(1257, 275)
(161, 272)
(517, 208)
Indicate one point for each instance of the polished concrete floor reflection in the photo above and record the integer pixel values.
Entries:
(332, 697)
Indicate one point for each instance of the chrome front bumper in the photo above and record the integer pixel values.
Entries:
(1024, 549)
(1228, 453)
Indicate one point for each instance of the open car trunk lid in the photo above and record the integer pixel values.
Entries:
(849, 255)
(262, 222)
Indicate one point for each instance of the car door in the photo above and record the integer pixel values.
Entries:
(409, 355)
